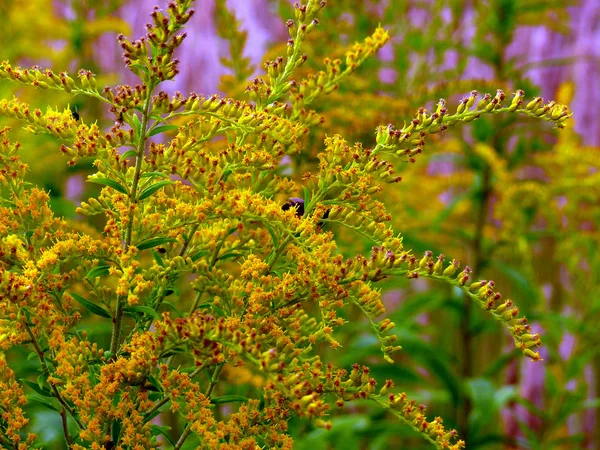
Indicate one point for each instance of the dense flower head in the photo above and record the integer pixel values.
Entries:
(215, 282)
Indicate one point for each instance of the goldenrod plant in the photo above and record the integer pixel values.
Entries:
(216, 289)
(456, 201)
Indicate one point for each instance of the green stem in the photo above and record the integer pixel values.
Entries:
(138, 167)
(213, 382)
(215, 256)
(195, 304)
(63, 417)
(183, 437)
(165, 400)
(188, 240)
(279, 251)
(118, 316)
(46, 372)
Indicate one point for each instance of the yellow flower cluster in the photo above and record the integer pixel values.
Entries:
(12, 419)
(203, 266)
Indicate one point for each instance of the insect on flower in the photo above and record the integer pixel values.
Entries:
(75, 113)
(295, 202)
(298, 203)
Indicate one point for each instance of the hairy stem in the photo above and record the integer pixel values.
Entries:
(46, 372)
(118, 316)
(165, 400)
(213, 382)
(63, 417)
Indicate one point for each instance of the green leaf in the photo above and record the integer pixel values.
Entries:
(173, 351)
(306, 194)
(115, 431)
(41, 379)
(526, 287)
(154, 242)
(212, 306)
(140, 67)
(158, 258)
(141, 309)
(98, 271)
(162, 129)
(153, 175)
(129, 154)
(92, 307)
(230, 255)
(42, 401)
(272, 233)
(226, 174)
(110, 183)
(278, 272)
(137, 125)
(156, 430)
(172, 306)
(228, 399)
(196, 256)
(36, 388)
(153, 188)
(152, 384)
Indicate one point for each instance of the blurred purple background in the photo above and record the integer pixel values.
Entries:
(538, 46)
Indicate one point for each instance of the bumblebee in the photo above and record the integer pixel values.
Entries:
(298, 203)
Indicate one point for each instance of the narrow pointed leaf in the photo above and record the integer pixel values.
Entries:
(173, 307)
(196, 256)
(110, 183)
(153, 175)
(36, 388)
(162, 129)
(153, 188)
(140, 67)
(98, 271)
(156, 430)
(42, 401)
(228, 399)
(129, 154)
(158, 258)
(273, 235)
(154, 242)
(137, 125)
(141, 309)
(91, 307)
(306, 194)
